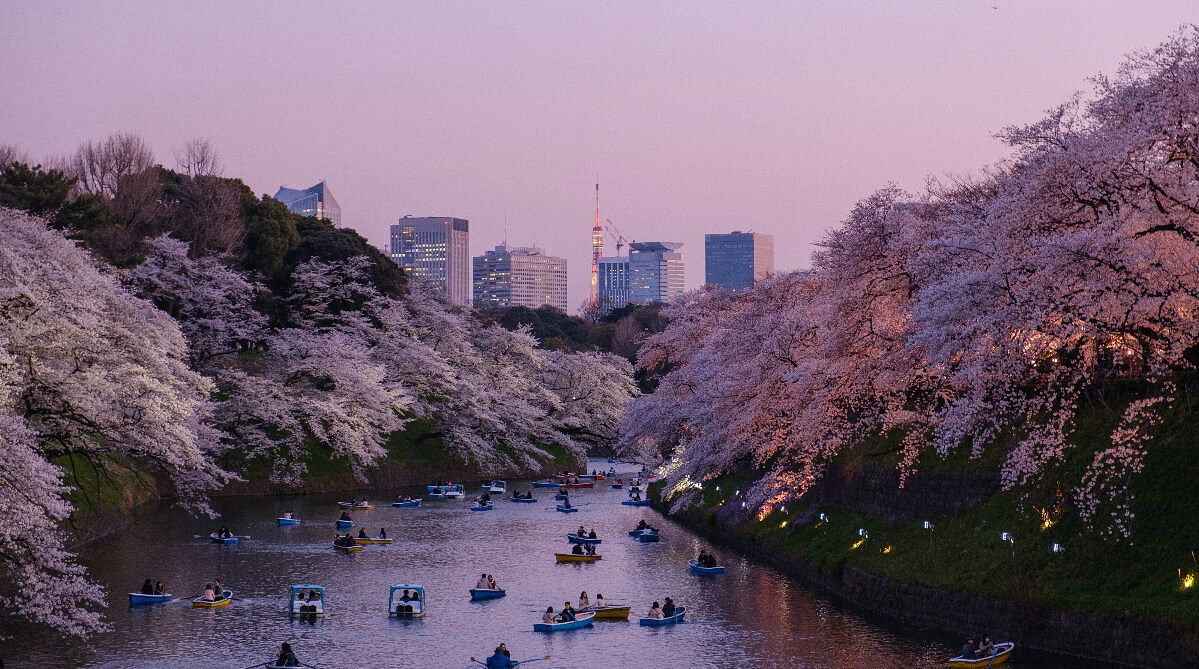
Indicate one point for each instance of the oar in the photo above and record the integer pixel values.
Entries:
(535, 659)
(260, 664)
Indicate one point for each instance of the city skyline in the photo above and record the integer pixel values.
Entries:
(843, 99)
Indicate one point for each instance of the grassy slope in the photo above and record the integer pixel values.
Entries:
(964, 551)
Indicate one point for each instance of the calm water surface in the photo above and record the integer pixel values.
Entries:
(751, 617)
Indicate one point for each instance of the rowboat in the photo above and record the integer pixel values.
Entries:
(580, 621)
(580, 484)
(585, 477)
(648, 537)
(600, 477)
(522, 500)
(609, 612)
(284, 522)
(658, 622)
(1000, 655)
(487, 593)
(224, 600)
(483, 507)
(571, 557)
(566, 509)
(617, 486)
(347, 549)
(356, 506)
(345, 524)
(313, 602)
(576, 539)
(636, 502)
(413, 607)
(562, 497)
(455, 492)
(446, 491)
(496, 486)
(367, 541)
(228, 541)
(140, 599)
(697, 569)
(545, 484)
(408, 504)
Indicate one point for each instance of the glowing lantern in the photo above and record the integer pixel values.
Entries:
(1057, 548)
(887, 549)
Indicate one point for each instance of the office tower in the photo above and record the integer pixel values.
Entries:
(613, 283)
(655, 271)
(436, 249)
(737, 260)
(315, 201)
(521, 276)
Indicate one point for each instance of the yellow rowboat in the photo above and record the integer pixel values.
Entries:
(225, 600)
(368, 541)
(348, 549)
(1000, 655)
(571, 557)
(609, 612)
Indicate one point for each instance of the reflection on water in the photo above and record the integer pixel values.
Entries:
(751, 616)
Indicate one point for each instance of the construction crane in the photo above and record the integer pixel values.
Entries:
(615, 232)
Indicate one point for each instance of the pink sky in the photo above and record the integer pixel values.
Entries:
(699, 117)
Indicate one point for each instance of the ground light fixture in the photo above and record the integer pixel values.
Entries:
(1057, 548)
(1007, 536)
(823, 518)
(928, 525)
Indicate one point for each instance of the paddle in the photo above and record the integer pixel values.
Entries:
(518, 662)
(209, 536)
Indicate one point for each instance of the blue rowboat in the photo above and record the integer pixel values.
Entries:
(583, 620)
(561, 497)
(648, 537)
(345, 524)
(522, 500)
(658, 622)
(477, 594)
(545, 484)
(228, 541)
(617, 486)
(636, 502)
(483, 507)
(139, 599)
(566, 509)
(284, 522)
(612, 461)
(696, 569)
(408, 504)
(576, 539)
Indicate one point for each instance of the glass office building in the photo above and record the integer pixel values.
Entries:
(315, 201)
(435, 249)
(737, 260)
(613, 283)
(521, 276)
(655, 272)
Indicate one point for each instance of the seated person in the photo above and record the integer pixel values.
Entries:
(566, 503)
(599, 600)
(344, 516)
(592, 535)
(968, 650)
(482, 584)
(159, 588)
(668, 608)
(577, 549)
(209, 594)
(289, 515)
(655, 611)
(584, 600)
(642, 525)
(287, 657)
(362, 533)
(568, 613)
(147, 587)
(382, 533)
(549, 617)
(590, 549)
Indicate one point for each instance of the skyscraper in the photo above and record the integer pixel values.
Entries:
(437, 249)
(655, 271)
(613, 283)
(315, 201)
(522, 276)
(738, 259)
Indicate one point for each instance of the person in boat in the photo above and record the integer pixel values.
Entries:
(566, 503)
(581, 532)
(591, 535)
(549, 618)
(224, 533)
(668, 608)
(599, 600)
(568, 613)
(362, 533)
(577, 549)
(147, 587)
(968, 650)
(986, 647)
(159, 588)
(289, 515)
(637, 497)
(655, 611)
(485, 498)
(209, 594)
(438, 491)
(218, 589)
(482, 584)
(286, 657)
(382, 532)
(491, 582)
(500, 659)
(642, 525)
(563, 491)
(344, 516)
(590, 548)
(584, 600)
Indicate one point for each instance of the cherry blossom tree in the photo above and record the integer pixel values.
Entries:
(88, 374)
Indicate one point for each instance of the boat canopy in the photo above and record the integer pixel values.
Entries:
(298, 587)
(418, 590)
